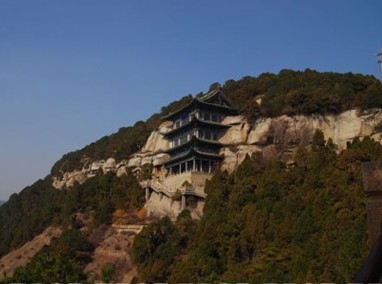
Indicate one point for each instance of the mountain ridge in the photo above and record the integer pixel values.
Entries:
(261, 100)
(289, 93)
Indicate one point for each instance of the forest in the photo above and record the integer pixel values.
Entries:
(271, 222)
(265, 222)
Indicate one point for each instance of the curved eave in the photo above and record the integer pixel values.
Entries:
(214, 93)
(197, 101)
(193, 152)
(193, 141)
(221, 107)
(195, 121)
(171, 115)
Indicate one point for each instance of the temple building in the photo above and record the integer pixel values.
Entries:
(194, 138)
(194, 149)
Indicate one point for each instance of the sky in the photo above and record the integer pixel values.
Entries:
(74, 71)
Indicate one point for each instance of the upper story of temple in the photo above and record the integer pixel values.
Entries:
(195, 133)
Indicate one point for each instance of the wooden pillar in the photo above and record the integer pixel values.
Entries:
(147, 193)
(209, 166)
(193, 164)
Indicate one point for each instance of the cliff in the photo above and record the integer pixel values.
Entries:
(276, 137)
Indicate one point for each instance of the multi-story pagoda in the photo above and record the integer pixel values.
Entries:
(194, 147)
(195, 134)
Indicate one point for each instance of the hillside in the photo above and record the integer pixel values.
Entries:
(315, 201)
(267, 222)
(288, 93)
(2, 202)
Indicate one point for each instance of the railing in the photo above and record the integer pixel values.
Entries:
(177, 182)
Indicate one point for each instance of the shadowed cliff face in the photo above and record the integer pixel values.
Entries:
(276, 137)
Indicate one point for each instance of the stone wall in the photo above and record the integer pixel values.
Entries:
(175, 182)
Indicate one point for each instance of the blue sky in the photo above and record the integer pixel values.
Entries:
(73, 71)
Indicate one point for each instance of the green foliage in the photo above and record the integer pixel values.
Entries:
(104, 194)
(372, 97)
(28, 213)
(73, 244)
(155, 250)
(307, 92)
(146, 171)
(118, 145)
(62, 262)
(270, 223)
(108, 272)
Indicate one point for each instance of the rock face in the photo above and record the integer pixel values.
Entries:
(151, 153)
(155, 142)
(280, 136)
(274, 137)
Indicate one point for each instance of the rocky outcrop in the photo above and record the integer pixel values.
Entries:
(274, 137)
(156, 142)
(280, 136)
(238, 131)
(151, 153)
(298, 130)
(68, 179)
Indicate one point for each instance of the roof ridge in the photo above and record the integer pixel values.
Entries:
(209, 94)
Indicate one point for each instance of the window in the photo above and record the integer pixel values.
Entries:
(185, 121)
(183, 139)
(214, 118)
(207, 135)
(206, 116)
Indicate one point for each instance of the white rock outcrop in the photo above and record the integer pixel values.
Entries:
(275, 137)
(156, 141)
